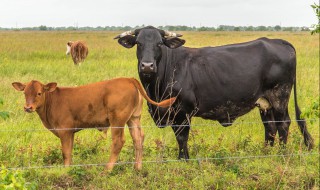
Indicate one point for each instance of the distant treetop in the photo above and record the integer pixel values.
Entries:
(167, 27)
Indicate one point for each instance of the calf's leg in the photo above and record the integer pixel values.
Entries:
(118, 140)
(137, 138)
(66, 138)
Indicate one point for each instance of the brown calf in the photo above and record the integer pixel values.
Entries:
(112, 103)
(79, 51)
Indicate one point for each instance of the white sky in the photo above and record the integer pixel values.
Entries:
(27, 13)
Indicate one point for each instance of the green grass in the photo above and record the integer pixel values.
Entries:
(24, 142)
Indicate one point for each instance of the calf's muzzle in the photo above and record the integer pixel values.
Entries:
(28, 109)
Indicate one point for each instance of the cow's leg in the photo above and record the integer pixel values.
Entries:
(181, 131)
(138, 138)
(74, 59)
(269, 126)
(283, 124)
(66, 138)
(118, 140)
(182, 135)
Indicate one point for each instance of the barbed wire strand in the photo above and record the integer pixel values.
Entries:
(165, 161)
(159, 126)
(198, 159)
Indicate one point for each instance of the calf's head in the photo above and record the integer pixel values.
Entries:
(34, 92)
(69, 47)
(150, 42)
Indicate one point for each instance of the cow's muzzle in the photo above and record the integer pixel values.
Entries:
(28, 109)
(148, 68)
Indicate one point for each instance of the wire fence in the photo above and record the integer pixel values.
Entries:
(159, 126)
(198, 159)
(168, 161)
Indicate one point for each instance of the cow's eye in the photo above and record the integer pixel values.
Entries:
(39, 94)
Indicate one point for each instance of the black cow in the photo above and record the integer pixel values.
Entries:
(218, 83)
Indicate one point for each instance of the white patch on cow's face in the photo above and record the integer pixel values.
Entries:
(68, 50)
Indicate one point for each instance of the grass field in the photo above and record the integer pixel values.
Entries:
(241, 160)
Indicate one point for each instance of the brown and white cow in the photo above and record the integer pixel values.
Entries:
(79, 51)
(111, 103)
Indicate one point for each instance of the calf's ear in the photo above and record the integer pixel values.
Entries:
(69, 43)
(173, 42)
(127, 41)
(18, 86)
(50, 87)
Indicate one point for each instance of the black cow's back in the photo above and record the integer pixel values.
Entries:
(225, 81)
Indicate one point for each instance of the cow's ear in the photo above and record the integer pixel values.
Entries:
(127, 41)
(173, 42)
(50, 87)
(18, 86)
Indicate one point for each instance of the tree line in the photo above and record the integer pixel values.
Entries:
(167, 27)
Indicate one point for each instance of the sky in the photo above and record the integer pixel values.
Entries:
(212, 13)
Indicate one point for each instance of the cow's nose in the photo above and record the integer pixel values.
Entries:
(28, 109)
(147, 65)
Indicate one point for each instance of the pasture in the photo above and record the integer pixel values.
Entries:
(221, 158)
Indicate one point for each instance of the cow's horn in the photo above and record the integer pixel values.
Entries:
(130, 32)
(171, 34)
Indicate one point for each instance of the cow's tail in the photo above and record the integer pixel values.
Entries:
(308, 140)
(164, 103)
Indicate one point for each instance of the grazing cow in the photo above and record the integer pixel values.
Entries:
(218, 83)
(79, 51)
(112, 103)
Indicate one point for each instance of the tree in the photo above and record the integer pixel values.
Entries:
(262, 28)
(277, 28)
(237, 28)
(249, 28)
(316, 27)
(43, 27)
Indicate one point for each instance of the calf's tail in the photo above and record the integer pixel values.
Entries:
(164, 103)
(308, 140)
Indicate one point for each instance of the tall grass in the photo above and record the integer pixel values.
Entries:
(24, 142)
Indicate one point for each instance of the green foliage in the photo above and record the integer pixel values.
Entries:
(316, 27)
(43, 27)
(85, 151)
(3, 114)
(277, 28)
(78, 173)
(14, 180)
(312, 112)
(52, 156)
